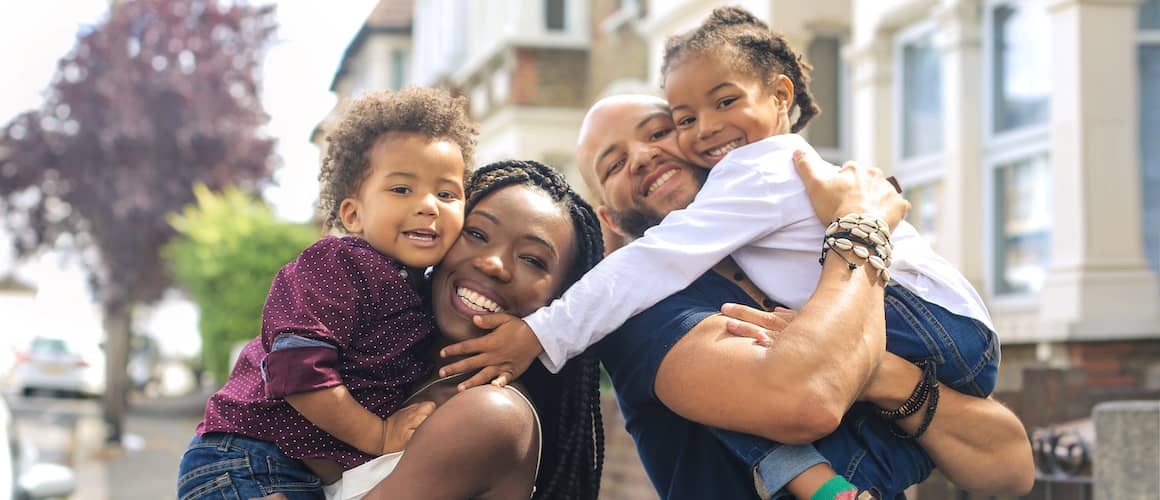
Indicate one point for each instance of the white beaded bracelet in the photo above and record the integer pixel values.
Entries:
(862, 234)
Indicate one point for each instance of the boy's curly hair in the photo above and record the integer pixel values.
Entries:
(434, 113)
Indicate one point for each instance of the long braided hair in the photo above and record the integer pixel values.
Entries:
(750, 46)
(568, 403)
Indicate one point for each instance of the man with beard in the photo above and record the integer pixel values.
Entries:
(683, 372)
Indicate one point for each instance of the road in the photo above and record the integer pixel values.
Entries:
(70, 432)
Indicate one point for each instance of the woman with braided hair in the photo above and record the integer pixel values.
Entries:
(526, 237)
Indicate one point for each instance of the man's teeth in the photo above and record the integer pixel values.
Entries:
(476, 301)
(661, 180)
(420, 235)
(723, 150)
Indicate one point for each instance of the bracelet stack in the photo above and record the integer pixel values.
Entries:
(926, 392)
(867, 236)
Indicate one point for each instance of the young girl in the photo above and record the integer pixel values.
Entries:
(345, 332)
(732, 83)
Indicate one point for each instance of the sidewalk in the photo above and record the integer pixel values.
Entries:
(145, 467)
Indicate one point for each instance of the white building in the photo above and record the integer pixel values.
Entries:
(521, 63)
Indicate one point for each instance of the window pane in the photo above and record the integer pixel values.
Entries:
(924, 213)
(1150, 15)
(1023, 225)
(1021, 64)
(824, 55)
(922, 131)
(398, 68)
(554, 15)
(1150, 149)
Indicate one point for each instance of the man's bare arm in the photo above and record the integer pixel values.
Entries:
(977, 443)
(795, 391)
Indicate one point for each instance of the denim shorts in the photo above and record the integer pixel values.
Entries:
(221, 465)
(964, 351)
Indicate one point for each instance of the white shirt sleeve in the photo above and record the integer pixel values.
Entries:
(737, 205)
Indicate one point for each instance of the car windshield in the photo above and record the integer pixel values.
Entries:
(55, 346)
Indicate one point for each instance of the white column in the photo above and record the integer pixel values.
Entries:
(872, 101)
(960, 210)
(1099, 283)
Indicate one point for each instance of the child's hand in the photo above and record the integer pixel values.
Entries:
(400, 426)
(503, 354)
(759, 325)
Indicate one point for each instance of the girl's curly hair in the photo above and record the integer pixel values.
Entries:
(434, 113)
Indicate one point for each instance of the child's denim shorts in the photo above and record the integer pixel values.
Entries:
(228, 466)
(964, 351)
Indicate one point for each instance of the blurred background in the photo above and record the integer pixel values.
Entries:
(159, 161)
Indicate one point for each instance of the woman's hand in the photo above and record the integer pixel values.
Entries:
(851, 189)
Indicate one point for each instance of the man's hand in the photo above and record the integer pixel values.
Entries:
(503, 354)
(400, 426)
(759, 325)
(852, 189)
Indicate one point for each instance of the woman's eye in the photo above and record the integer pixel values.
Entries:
(726, 102)
(475, 234)
(660, 134)
(401, 190)
(535, 262)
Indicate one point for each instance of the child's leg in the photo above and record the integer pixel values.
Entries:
(783, 471)
(224, 465)
(964, 351)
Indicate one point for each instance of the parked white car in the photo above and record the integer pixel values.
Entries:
(61, 365)
(22, 480)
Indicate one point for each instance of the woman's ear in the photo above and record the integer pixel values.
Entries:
(348, 213)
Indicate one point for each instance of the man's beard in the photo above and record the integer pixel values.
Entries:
(634, 222)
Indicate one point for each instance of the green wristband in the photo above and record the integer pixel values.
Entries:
(831, 488)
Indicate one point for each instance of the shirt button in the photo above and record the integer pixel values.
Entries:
(739, 276)
(767, 303)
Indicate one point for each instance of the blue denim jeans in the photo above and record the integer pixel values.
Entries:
(863, 450)
(964, 351)
(220, 465)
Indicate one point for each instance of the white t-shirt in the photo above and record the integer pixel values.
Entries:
(754, 207)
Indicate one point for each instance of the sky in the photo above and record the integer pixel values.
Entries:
(296, 77)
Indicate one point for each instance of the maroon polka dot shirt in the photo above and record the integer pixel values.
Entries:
(341, 313)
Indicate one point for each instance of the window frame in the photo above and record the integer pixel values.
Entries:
(563, 28)
(925, 168)
(841, 153)
(1145, 37)
(1000, 150)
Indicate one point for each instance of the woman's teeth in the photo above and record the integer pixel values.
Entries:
(660, 180)
(476, 301)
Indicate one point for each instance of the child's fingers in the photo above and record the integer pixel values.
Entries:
(505, 377)
(742, 329)
(786, 315)
(467, 364)
(482, 377)
(492, 321)
(469, 346)
(744, 313)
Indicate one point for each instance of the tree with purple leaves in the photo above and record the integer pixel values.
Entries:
(158, 96)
